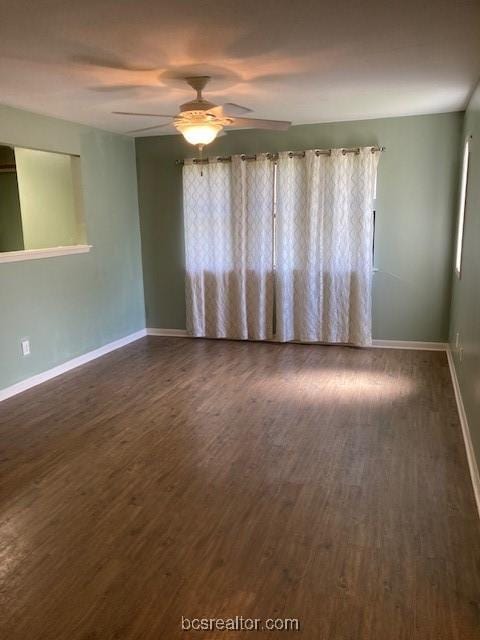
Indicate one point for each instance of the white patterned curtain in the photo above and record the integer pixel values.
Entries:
(229, 248)
(324, 246)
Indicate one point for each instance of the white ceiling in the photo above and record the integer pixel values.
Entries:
(305, 61)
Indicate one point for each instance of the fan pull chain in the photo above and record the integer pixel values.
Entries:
(200, 149)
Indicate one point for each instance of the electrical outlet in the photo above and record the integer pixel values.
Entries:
(457, 340)
(25, 347)
(460, 354)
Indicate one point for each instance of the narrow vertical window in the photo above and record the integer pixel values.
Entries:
(461, 210)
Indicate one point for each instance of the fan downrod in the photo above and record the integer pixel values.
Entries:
(198, 83)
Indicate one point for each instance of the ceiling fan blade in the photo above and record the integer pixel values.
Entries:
(150, 115)
(108, 62)
(229, 109)
(120, 87)
(156, 126)
(256, 123)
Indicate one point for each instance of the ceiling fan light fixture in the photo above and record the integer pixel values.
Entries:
(199, 133)
(200, 121)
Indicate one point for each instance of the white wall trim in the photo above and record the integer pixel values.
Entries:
(380, 344)
(23, 385)
(472, 462)
(35, 254)
(407, 344)
(173, 333)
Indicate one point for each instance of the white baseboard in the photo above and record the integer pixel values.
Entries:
(173, 333)
(380, 344)
(472, 462)
(23, 385)
(406, 344)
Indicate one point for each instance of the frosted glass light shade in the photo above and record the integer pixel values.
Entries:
(199, 133)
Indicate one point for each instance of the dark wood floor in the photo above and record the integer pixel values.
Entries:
(213, 479)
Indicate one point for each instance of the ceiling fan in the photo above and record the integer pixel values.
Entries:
(200, 121)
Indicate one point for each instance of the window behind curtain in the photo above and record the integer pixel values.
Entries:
(228, 248)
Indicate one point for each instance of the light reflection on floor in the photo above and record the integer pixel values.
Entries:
(341, 385)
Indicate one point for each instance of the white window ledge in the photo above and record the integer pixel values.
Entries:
(35, 254)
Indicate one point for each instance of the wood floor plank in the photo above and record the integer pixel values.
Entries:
(204, 478)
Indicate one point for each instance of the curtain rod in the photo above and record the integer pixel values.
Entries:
(274, 156)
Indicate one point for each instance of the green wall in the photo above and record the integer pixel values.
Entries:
(72, 304)
(466, 292)
(416, 192)
(47, 199)
(11, 232)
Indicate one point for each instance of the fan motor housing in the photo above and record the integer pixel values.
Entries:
(197, 105)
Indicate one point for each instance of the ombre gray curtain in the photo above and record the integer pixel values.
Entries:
(229, 248)
(324, 245)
